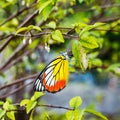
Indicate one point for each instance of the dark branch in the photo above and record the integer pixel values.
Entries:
(16, 14)
(17, 60)
(30, 17)
(54, 106)
(15, 90)
(19, 81)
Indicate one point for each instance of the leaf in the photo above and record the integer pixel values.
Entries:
(43, 4)
(96, 113)
(77, 114)
(9, 100)
(31, 115)
(115, 68)
(21, 30)
(81, 1)
(98, 24)
(5, 105)
(51, 24)
(37, 95)
(46, 12)
(84, 60)
(1, 103)
(97, 62)
(30, 105)
(57, 35)
(74, 115)
(89, 27)
(75, 102)
(76, 52)
(81, 114)
(2, 113)
(30, 27)
(11, 115)
(89, 42)
(24, 102)
(70, 115)
(80, 55)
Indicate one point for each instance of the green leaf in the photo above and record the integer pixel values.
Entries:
(77, 114)
(21, 30)
(9, 100)
(30, 105)
(96, 62)
(82, 112)
(46, 12)
(81, 1)
(5, 105)
(57, 35)
(30, 27)
(76, 52)
(75, 102)
(115, 68)
(96, 113)
(74, 115)
(51, 24)
(2, 113)
(31, 115)
(80, 55)
(11, 115)
(89, 42)
(89, 27)
(43, 4)
(1, 103)
(24, 102)
(70, 115)
(37, 95)
(98, 24)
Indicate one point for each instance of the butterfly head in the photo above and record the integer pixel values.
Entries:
(67, 55)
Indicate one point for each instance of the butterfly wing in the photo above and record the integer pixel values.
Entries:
(54, 77)
(38, 86)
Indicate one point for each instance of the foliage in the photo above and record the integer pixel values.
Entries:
(74, 113)
(90, 30)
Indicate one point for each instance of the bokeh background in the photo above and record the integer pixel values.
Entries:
(22, 58)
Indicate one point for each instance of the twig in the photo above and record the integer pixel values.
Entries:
(111, 19)
(21, 25)
(18, 49)
(16, 14)
(54, 106)
(14, 91)
(17, 60)
(19, 81)
(28, 19)
(6, 43)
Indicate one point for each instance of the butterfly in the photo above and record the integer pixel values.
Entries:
(54, 76)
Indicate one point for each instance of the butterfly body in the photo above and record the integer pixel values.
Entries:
(54, 76)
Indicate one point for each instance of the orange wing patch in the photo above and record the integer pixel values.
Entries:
(57, 86)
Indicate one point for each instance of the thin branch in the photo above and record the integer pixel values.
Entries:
(6, 43)
(28, 19)
(110, 19)
(45, 105)
(110, 5)
(21, 25)
(18, 49)
(17, 13)
(14, 91)
(54, 106)
(17, 81)
(17, 60)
